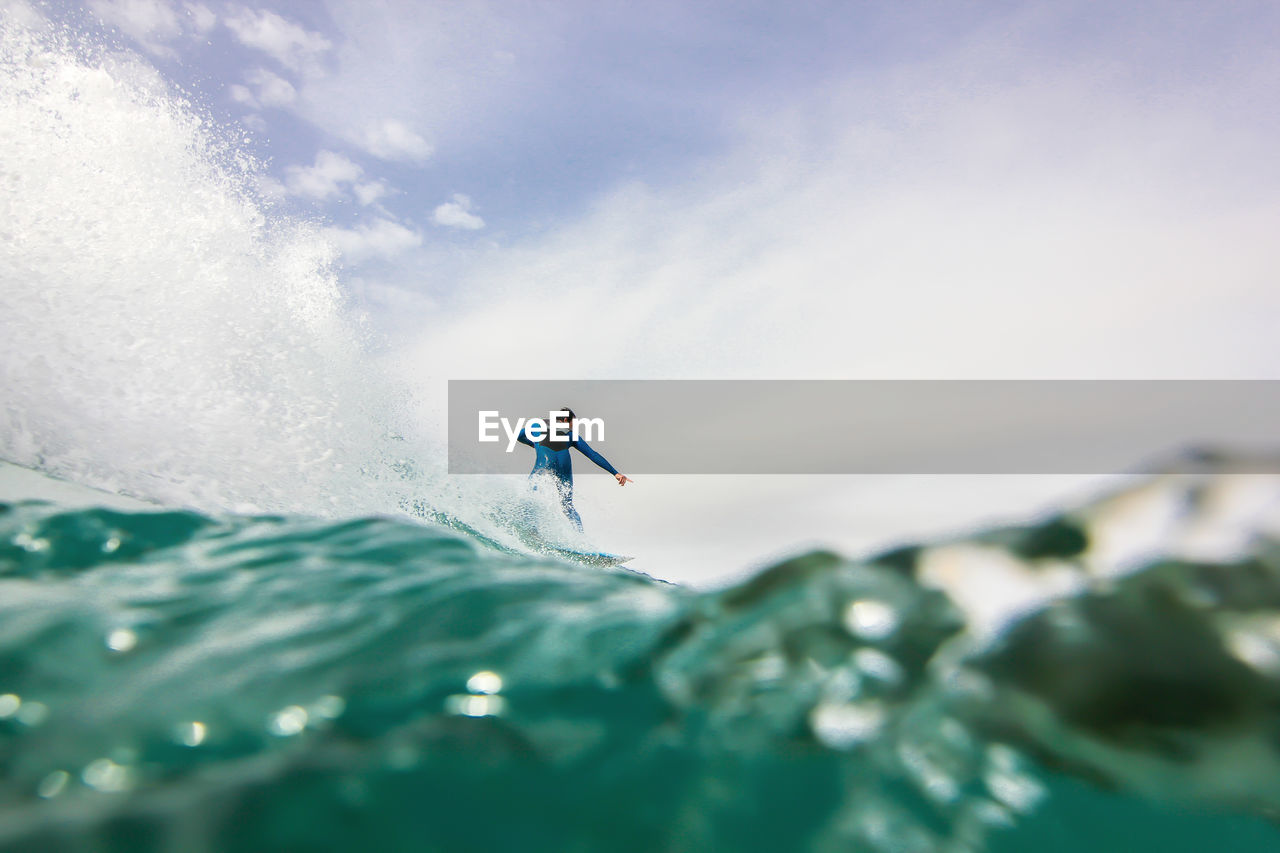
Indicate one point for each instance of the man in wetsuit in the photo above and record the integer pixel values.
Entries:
(553, 462)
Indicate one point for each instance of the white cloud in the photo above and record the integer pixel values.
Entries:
(457, 214)
(270, 90)
(151, 23)
(933, 225)
(256, 123)
(202, 17)
(242, 95)
(368, 193)
(288, 43)
(155, 24)
(390, 139)
(334, 176)
(273, 90)
(381, 240)
(430, 67)
(329, 176)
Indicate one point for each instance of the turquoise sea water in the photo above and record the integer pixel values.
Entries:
(178, 681)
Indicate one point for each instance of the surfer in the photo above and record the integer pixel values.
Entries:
(553, 463)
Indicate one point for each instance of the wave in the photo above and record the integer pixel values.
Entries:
(167, 334)
(163, 332)
(250, 682)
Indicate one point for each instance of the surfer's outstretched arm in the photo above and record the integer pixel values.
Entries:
(586, 451)
(523, 437)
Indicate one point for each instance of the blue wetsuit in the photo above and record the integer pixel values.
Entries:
(553, 461)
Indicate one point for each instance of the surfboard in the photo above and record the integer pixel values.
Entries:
(529, 536)
(590, 558)
(534, 540)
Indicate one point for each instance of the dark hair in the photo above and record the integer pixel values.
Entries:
(572, 416)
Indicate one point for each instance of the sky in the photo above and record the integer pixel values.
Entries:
(1052, 189)
(743, 189)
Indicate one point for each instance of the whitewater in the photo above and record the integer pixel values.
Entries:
(164, 335)
(167, 335)
(241, 608)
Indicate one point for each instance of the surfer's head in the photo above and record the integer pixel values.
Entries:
(562, 422)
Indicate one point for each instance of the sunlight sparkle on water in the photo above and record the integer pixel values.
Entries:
(288, 721)
(107, 776)
(122, 640)
(473, 705)
(845, 725)
(328, 707)
(192, 733)
(871, 619)
(485, 682)
(53, 784)
(33, 713)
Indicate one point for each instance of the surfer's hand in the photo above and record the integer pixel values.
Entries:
(623, 479)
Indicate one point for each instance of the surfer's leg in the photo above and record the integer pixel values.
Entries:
(565, 490)
(566, 503)
(542, 477)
